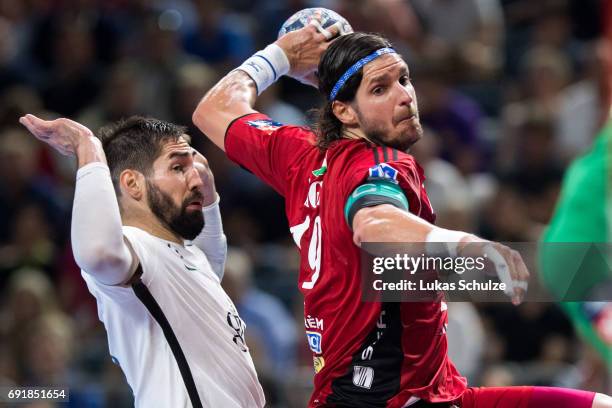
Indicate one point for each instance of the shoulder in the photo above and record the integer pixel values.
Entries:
(378, 161)
(138, 238)
(260, 123)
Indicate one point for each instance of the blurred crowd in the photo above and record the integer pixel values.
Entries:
(508, 94)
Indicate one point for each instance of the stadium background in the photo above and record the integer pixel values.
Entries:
(509, 94)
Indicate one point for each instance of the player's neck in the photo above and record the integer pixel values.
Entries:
(151, 224)
(355, 134)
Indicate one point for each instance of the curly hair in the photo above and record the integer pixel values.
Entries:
(337, 59)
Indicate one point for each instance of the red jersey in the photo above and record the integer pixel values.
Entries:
(368, 354)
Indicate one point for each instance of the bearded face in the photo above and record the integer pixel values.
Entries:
(179, 219)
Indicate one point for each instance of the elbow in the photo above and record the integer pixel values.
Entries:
(199, 117)
(205, 114)
(103, 264)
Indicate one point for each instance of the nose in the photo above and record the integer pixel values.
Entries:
(405, 97)
(194, 181)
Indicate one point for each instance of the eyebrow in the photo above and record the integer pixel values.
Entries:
(181, 154)
(379, 78)
(384, 76)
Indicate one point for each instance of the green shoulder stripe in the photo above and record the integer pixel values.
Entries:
(374, 192)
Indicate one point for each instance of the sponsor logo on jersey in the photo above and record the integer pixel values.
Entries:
(383, 171)
(311, 322)
(314, 341)
(238, 326)
(314, 195)
(318, 363)
(363, 376)
(265, 125)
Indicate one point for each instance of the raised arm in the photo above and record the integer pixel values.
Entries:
(211, 240)
(96, 232)
(296, 54)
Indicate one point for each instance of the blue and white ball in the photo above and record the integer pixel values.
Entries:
(326, 17)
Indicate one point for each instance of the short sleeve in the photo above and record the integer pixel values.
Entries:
(391, 166)
(267, 148)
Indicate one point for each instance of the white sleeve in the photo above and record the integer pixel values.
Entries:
(212, 240)
(96, 233)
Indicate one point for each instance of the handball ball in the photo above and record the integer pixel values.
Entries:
(325, 16)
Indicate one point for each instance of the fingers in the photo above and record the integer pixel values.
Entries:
(327, 33)
(199, 157)
(503, 270)
(518, 274)
(320, 29)
(334, 29)
(38, 127)
(521, 279)
(49, 131)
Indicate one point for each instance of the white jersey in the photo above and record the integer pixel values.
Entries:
(203, 318)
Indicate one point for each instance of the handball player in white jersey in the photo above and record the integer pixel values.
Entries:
(147, 234)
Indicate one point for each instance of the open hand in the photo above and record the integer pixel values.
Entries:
(208, 180)
(304, 48)
(63, 134)
(508, 263)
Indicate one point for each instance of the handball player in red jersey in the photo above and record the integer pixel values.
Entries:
(347, 183)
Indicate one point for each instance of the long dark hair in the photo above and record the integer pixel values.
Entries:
(337, 59)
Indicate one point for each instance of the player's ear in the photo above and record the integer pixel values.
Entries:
(132, 183)
(345, 113)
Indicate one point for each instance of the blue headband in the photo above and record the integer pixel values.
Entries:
(356, 67)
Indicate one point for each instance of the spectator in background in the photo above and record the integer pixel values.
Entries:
(580, 111)
(158, 66)
(21, 184)
(447, 188)
(121, 96)
(546, 72)
(74, 80)
(16, 100)
(271, 104)
(474, 39)
(8, 366)
(46, 350)
(29, 295)
(49, 351)
(221, 38)
(455, 117)
(192, 80)
(32, 241)
(536, 173)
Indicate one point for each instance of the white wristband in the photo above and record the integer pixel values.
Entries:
(266, 66)
(213, 226)
(443, 242)
(502, 270)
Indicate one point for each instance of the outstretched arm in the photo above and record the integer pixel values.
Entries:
(296, 54)
(97, 237)
(387, 223)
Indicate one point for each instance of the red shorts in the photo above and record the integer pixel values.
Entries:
(525, 397)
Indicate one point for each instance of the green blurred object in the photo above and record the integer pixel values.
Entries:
(583, 215)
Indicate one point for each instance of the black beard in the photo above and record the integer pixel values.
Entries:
(402, 143)
(178, 220)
